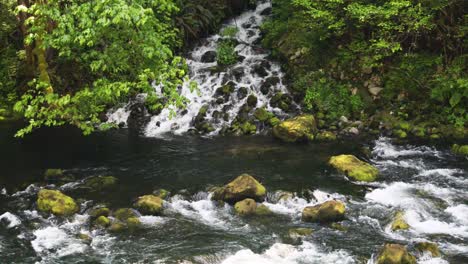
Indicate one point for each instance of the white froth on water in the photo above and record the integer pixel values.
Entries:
(288, 254)
(459, 212)
(151, 220)
(386, 150)
(55, 241)
(11, 219)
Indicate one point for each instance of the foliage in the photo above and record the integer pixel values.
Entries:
(225, 51)
(8, 58)
(229, 32)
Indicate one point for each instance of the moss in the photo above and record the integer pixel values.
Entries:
(326, 136)
(55, 202)
(252, 100)
(133, 223)
(246, 207)
(262, 115)
(429, 247)
(395, 254)
(400, 133)
(123, 214)
(399, 223)
(329, 211)
(244, 186)
(99, 183)
(274, 121)
(300, 128)
(301, 231)
(97, 212)
(149, 204)
(162, 193)
(248, 128)
(263, 210)
(102, 221)
(460, 150)
(403, 125)
(53, 174)
(354, 168)
(419, 131)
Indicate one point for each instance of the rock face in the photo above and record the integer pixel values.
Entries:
(428, 247)
(354, 168)
(246, 207)
(329, 211)
(399, 223)
(300, 128)
(55, 202)
(243, 187)
(395, 254)
(149, 204)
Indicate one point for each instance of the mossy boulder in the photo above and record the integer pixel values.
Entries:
(246, 207)
(354, 168)
(100, 183)
(460, 150)
(262, 115)
(330, 211)
(428, 247)
(53, 174)
(123, 214)
(100, 211)
(326, 136)
(301, 231)
(57, 203)
(149, 204)
(102, 221)
(395, 254)
(300, 128)
(125, 219)
(399, 223)
(133, 223)
(243, 187)
(263, 210)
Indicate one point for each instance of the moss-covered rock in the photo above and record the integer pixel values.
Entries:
(326, 136)
(123, 214)
(149, 204)
(53, 174)
(248, 128)
(243, 187)
(102, 221)
(329, 211)
(395, 254)
(301, 231)
(460, 150)
(85, 237)
(354, 168)
(133, 223)
(252, 100)
(399, 223)
(274, 121)
(263, 210)
(428, 247)
(162, 193)
(262, 115)
(99, 183)
(246, 207)
(57, 203)
(300, 128)
(100, 211)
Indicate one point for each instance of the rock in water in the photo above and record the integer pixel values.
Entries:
(354, 168)
(52, 201)
(329, 211)
(209, 56)
(102, 221)
(53, 174)
(399, 223)
(246, 207)
(243, 187)
(300, 128)
(428, 247)
(395, 254)
(149, 204)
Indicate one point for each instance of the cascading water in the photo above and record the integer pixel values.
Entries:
(252, 75)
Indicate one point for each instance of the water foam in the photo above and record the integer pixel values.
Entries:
(12, 219)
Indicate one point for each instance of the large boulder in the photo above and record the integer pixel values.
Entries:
(243, 187)
(329, 211)
(300, 128)
(149, 204)
(395, 254)
(354, 168)
(399, 223)
(57, 203)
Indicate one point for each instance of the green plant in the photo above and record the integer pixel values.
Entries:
(229, 32)
(226, 53)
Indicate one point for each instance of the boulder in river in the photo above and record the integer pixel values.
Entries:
(57, 203)
(149, 204)
(243, 187)
(246, 207)
(300, 128)
(209, 56)
(428, 247)
(125, 218)
(100, 183)
(399, 223)
(354, 168)
(102, 221)
(100, 211)
(395, 254)
(329, 211)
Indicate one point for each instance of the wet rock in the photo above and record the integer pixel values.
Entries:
(138, 117)
(262, 115)
(246, 207)
(282, 101)
(326, 136)
(263, 210)
(300, 128)
(432, 248)
(97, 212)
(123, 214)
(150, 204)
(252, 100)
(243, 187)
(238, 73)
(460, 150)
(100, 183)
(225, 90)
(102, 221)
(57, 203)
(268, 84)
(242, 92)
(259, 70)
(354, 168)
(399, 223)
(162, 193)
(353, 131)
(395, 254)
(338, 226)
(299, 232)
(117, 227)
(329, 211)
(266, 11)
(209, 56)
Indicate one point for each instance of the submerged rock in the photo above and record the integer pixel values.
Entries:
(399, 223)
(53, 174)
(57, 203)
(354, 168)
(149, 204)
(97, 212)
(99, 183)
(395, 254)
(299, 128)
(301, 231)
(246, 207)
(243, 187)
(125, 219)
(123, 214)
(329, 211)
(428, 247)
(460, 150)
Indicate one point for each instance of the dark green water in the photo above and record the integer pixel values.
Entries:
(428, 184)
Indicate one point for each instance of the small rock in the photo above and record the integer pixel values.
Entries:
(246, 207)
(149, 204)
(329, 211)
(395, 254)
(354, 168)
(209, 56)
